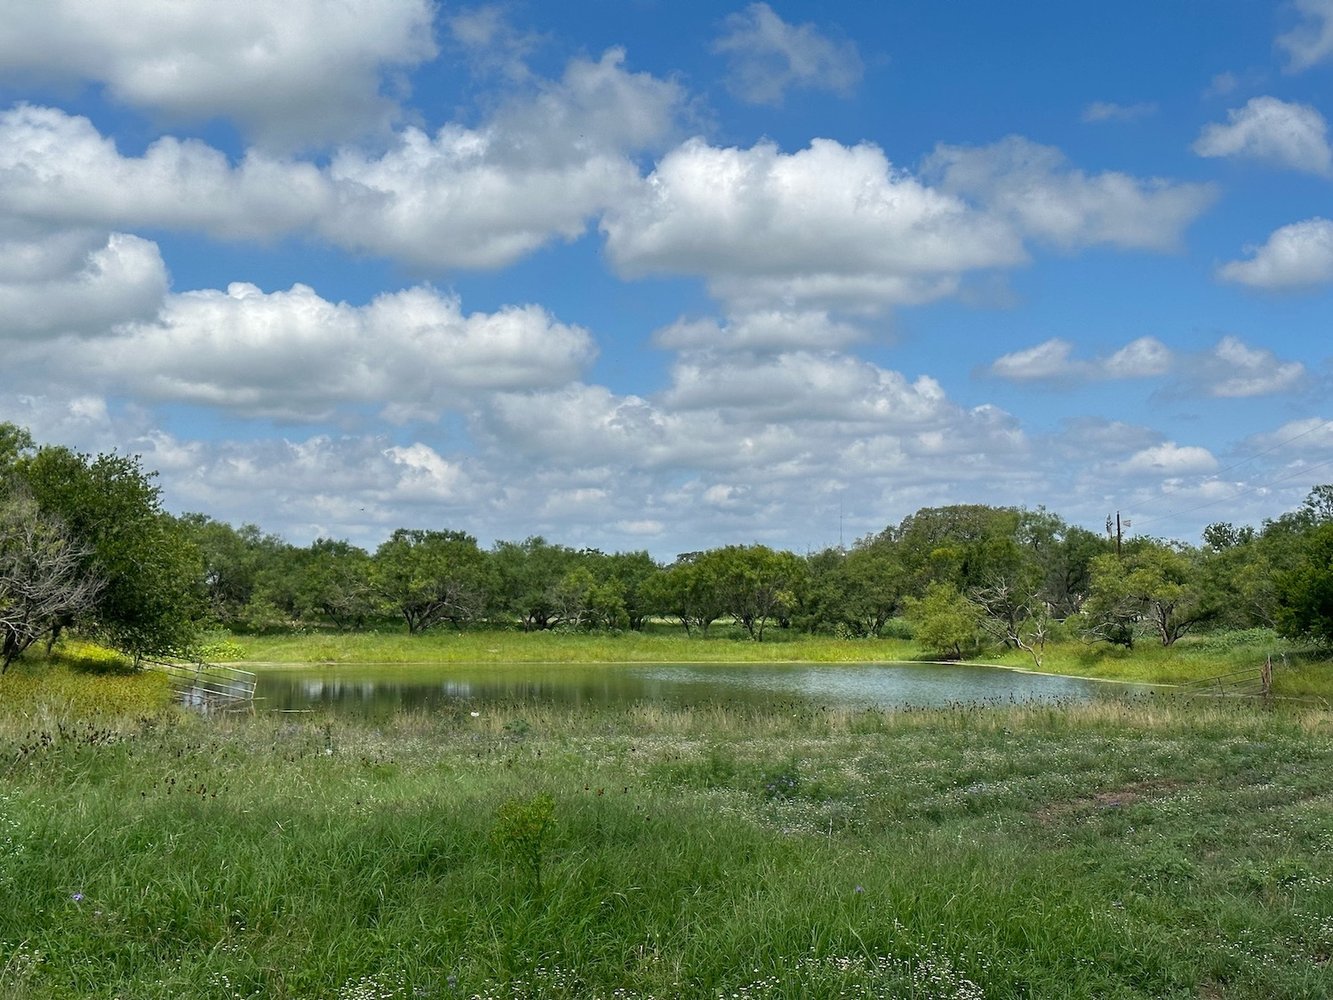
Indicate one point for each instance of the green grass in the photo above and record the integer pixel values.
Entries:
(1146, 848)
(79, 680)
(658, 645)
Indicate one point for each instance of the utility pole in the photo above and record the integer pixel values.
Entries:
(1118, 534)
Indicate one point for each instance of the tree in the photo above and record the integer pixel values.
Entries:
(1305, 592)
(148, 603)
(529, 575)
(429, 577)
(855, 592)
(754, 582)
(944, 620)
(333, 581)
(1152, 583)
(627, 573)
(43, 580)
(688, 590)
(240, 565)
(1018, 620)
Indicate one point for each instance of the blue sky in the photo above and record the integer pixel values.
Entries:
(674, 275)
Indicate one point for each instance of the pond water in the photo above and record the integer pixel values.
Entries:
(376, 690)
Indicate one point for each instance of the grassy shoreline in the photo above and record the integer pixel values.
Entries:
(1307, 672)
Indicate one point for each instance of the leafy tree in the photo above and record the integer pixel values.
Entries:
(1154, 584)
(690, 591)
(851, 592)
(944, 620)
(530, 573)
(627, 573)
(15, 443)
(148, 603)
(429, 577)
(966, 545)
(242, 566)
(1305, 592)
(333, 581)
(754, 582)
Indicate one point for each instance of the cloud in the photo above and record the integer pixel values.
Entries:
(1311, 41)
(1035, 189)
(458, 198)
(484, 198)
(791, 417)
(1294, 136)
(1053, 361)
(1233, 370)
(1167, 460)
(1109, 111)
(767, 57)
(825, 226)
(1141, 358)
(1230, 370)
(761, 330)
(1299, 255)
(1299, 438)
(264, 64)
(297, 356)
(77, 282)
(492, 43)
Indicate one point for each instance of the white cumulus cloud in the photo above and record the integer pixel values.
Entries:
(1234, 370)
(1168, 460)
(460, 197)
(1037, 190)
(77, 282)
(1294, 136)
(295, 355)
(826, 225)
(1053, 361)
(288, 71)
(760, 330)
(1299, 255)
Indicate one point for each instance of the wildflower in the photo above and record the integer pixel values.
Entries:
(77, 897)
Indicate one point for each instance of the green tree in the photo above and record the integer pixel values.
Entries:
(430, 577)
(755, 583)
(1305, 592)
(1154, 585)
(530, 573)
(689, 590)
(944, 620)
(148, 604)
(333, 582)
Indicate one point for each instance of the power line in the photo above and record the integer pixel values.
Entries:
(1236, 496)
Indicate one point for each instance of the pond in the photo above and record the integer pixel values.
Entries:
(379, 690)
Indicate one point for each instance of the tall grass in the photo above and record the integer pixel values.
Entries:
(1152, 847)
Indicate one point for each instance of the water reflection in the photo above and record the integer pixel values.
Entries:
(377, 690)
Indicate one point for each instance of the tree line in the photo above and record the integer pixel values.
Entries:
(85, 543)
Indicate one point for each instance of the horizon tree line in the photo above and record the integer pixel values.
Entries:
(86, 545)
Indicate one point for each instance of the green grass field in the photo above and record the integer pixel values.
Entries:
(1156, 848)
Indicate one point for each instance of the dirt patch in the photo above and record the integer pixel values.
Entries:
(1104, 801)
